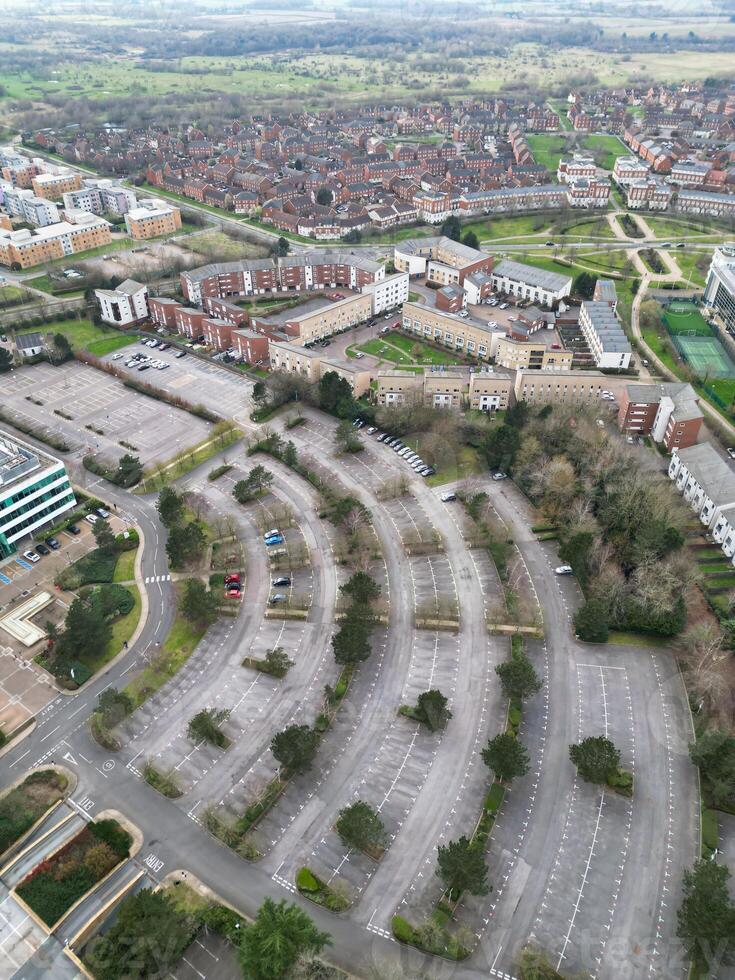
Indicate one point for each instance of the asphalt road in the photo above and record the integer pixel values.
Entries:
(592, 877)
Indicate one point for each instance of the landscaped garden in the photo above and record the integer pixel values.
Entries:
(57, 883)
(27, 803)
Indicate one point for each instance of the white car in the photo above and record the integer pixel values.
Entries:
(601, 423)
(272, 533)
(31, 556)
(563, 570)
(500, 476)
(91, 518)
(463, 314)
(417, 464)
(116, 357)
(731, 453)
(359, 354)
(447, 496)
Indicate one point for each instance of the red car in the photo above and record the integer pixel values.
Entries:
(232, 591)
(233, 577)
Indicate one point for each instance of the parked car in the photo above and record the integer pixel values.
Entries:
(42, 549)
(371, 429)
(500, 476)
(180, 353)
(31, 556)
(233, 591)
(504, 306)
(273, 531)
(73, 529)
(118, 355)
(281, 580)
(359, 354)
(91, 518)
(277, 597)
(564, 570)
(276, 539)
(53, 543)
(104, 514)
(428, 471)
(447, 496)
(232, 577)
(731, 452)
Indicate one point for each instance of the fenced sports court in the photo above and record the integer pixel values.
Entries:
(696, 341)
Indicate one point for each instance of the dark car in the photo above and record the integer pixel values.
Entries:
(73, 529)
(53, 544)
(42, 549)
(281, 580)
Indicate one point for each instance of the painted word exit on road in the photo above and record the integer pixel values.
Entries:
(154, 863)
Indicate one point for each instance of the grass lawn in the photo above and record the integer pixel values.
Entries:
(560, 266)
(82, 333)
(387, 352)
(177, 648)
(106, 345)
(56, 287)
(467, 464)
(611, 146)
(619, 638)
(694, 266)
(524, 226)
(13, 295)
(547, 149)
(227, 248)
(124, 569)
(724, 388)
(122, 629)
(659, 348)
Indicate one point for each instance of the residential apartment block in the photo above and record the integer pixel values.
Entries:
(704, 202)
(34, 492)
(707, 483)
(26, 248)
(669, 412)
(101, 197)
(484, 390)
(563, 387)
(628, 170)
(528, 282)
(24, 204)
(152, 218)
(124, 305)
(54, 184)
(306, 271)
(388, 293)
(442, 260)
(607, 342)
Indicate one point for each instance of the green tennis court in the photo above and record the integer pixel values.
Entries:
(706, 355)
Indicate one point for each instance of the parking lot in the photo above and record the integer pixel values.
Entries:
(210, 957)
(197, 381)
(94, 412)
(20, 942)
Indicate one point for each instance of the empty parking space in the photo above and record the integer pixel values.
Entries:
(209, 956)
(193, 379)
(24, 690)
(94, 412)
(20, 937)
(582, 891)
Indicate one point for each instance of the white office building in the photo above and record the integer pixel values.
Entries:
(719, 293)
(34, 492)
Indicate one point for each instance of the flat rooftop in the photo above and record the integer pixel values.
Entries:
(17, 461)
(306, 308)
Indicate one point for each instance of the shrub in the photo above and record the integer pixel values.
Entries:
(113, 834)
(306, 881)
(96, 567)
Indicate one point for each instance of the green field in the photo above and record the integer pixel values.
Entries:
(548, 149)
(685, 318)
(320, 79)
(605, 148)
(404, 352)
(85, 334)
